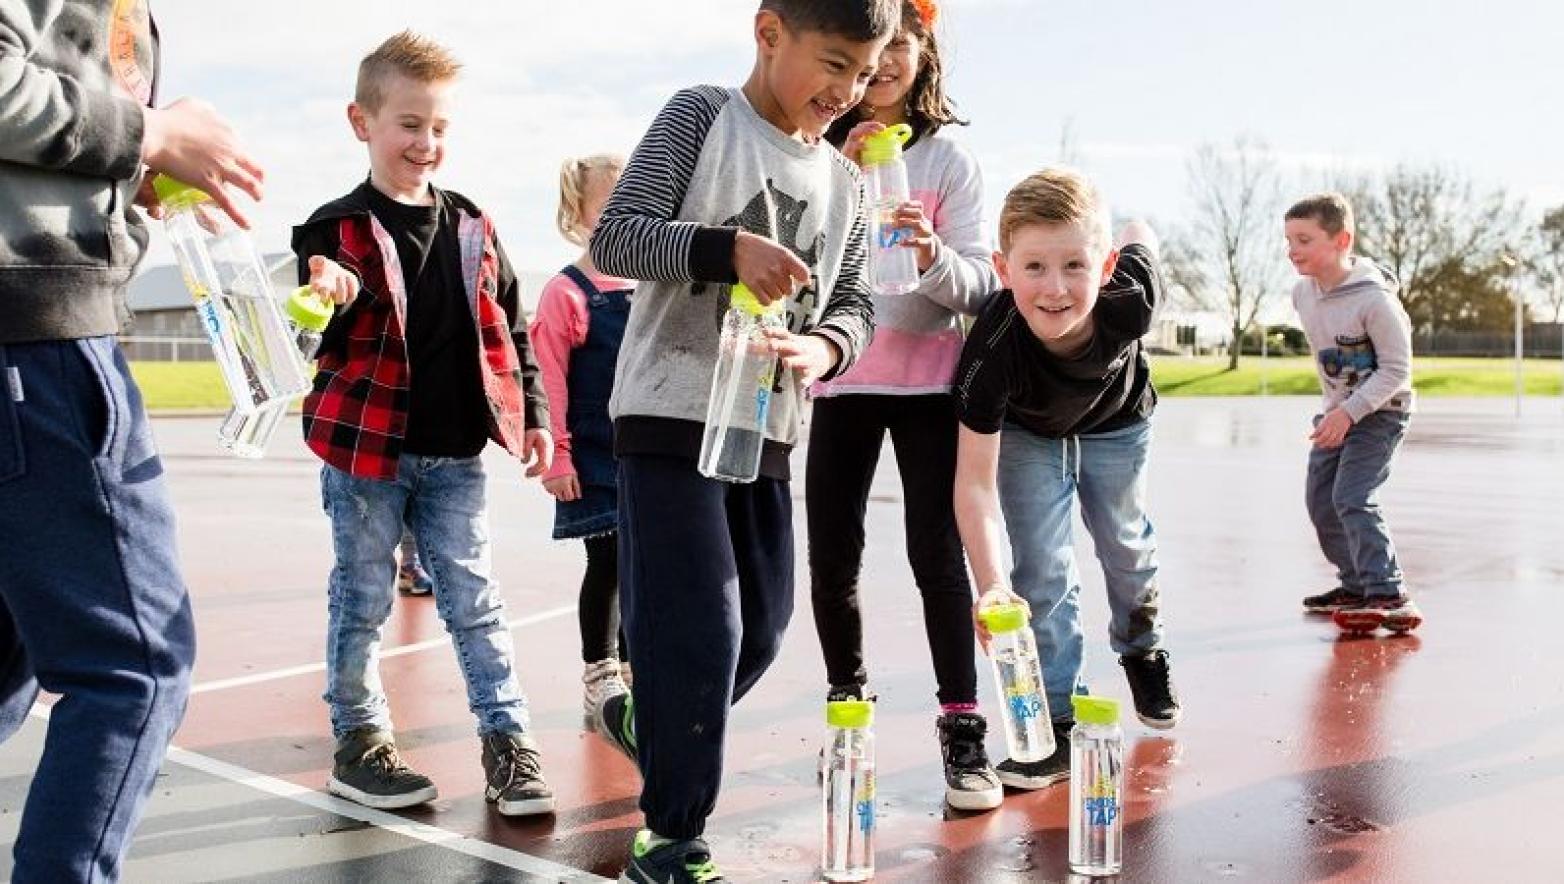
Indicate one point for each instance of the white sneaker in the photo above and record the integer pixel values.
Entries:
(599, 681)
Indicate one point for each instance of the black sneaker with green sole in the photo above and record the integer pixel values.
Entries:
(657, 861)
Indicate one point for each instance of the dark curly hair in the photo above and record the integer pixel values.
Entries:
(928, 107)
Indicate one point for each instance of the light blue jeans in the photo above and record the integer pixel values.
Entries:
(445, 503)
(1343, 498)
(1039, 481)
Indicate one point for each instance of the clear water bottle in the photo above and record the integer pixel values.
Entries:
(740, 389)
(1096, 788)
(248, 435)
(1018, 677)
(233, 297)
(893, 267)
(847, 778)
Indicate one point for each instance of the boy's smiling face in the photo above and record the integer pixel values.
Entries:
(406, 135)
(810, 78)
(1313, 250)
(1054, 272)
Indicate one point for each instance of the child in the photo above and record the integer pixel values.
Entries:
(579, 324)
(416, 375)
(902, 386)
(1056, 364)
(728, 185)
(1362, 343)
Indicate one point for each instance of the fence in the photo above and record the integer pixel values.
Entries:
(156, 348)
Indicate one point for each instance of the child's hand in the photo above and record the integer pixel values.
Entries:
(190, 142)
(331, 282)
(146, 196)
(998, 594)
(909, 216)
(769, 270)
(852, 148)
(564, 488)
(1332, 429)
(537, 452)
(809, 355)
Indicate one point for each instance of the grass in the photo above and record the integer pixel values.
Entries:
(173, 386)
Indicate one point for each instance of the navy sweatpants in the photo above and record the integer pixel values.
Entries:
(706, 591)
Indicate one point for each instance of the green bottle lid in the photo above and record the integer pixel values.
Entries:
(849, 713)
(885, 145)
(306, 309)
(1095, 710)
(744, 299)
(1003, 618)
(174, 193)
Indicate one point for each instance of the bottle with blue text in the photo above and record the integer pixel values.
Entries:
(233, 296)
(248, 435)
(1018, 677)
(1096, 788)
(847, 778)
(893, 267)
(741, 386)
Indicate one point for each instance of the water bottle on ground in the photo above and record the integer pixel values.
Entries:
(233, 297)
(893, 266)
(741, 385)
(1018, 677)
(847, 778)
(248, 435)
(1096, 788)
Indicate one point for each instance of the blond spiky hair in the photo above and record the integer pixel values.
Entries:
(1055, 196)
(408, 54)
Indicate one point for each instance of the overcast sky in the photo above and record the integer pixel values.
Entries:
(1137, 86)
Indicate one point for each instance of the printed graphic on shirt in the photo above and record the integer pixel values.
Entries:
(1351, 361)
(774, 213)
(130, 48)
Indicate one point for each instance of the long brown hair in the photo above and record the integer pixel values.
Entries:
(928, 107)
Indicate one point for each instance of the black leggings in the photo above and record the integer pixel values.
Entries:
(599, 605)
(845, 437)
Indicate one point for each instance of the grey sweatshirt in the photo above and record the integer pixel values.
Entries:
(708, 167)
(74, 77)
(1361, 339)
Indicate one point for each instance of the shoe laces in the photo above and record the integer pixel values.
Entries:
(384, 759)
(518, 763)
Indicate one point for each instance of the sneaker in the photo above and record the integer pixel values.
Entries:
(412, 579)
(660, 861)
(1151, 684)
(616, 724)
(1040, 774)
(838, 693)
(598, 681)
(367, 769)
(1397, 613)
(970, 781)
(1332, 601)
(515, 776)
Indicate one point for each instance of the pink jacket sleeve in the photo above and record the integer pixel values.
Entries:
(558, 326)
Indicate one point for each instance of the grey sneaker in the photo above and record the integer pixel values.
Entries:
(599, 681)
(970, 781)
(1030, 775)
(367, 769)
(515, 776)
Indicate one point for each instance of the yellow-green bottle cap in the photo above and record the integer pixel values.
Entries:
(1095, 710)
(307, 309)
(849, 713)
(1003, 618)
(885, 145)
(744, 299)
(173, 192)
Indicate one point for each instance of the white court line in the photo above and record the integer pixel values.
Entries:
(434, 835)
(401, 650)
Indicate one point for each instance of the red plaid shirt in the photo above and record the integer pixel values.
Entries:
(356, 416)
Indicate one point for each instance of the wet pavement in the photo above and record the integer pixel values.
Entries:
(1303, 756)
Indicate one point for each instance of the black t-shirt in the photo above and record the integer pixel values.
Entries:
(446, 413)
(1006, 374)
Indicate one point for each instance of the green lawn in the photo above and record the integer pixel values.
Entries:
(197, 385)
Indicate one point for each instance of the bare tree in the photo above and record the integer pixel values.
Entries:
(1548, 255)
(1237, 228)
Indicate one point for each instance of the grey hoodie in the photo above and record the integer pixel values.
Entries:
(1361, 339)
(74, 77)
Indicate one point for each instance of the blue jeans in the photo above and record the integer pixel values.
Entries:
(1039, 480)
(445, 502)
(1343, 499)
(92, 606)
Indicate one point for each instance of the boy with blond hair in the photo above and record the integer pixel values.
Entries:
(1362, 343)
(1054, 395)
(727, 186)
(427, 363)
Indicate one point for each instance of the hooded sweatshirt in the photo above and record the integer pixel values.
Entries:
(74, 78)
(1361, 339)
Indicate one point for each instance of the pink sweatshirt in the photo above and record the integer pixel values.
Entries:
(559, 326)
